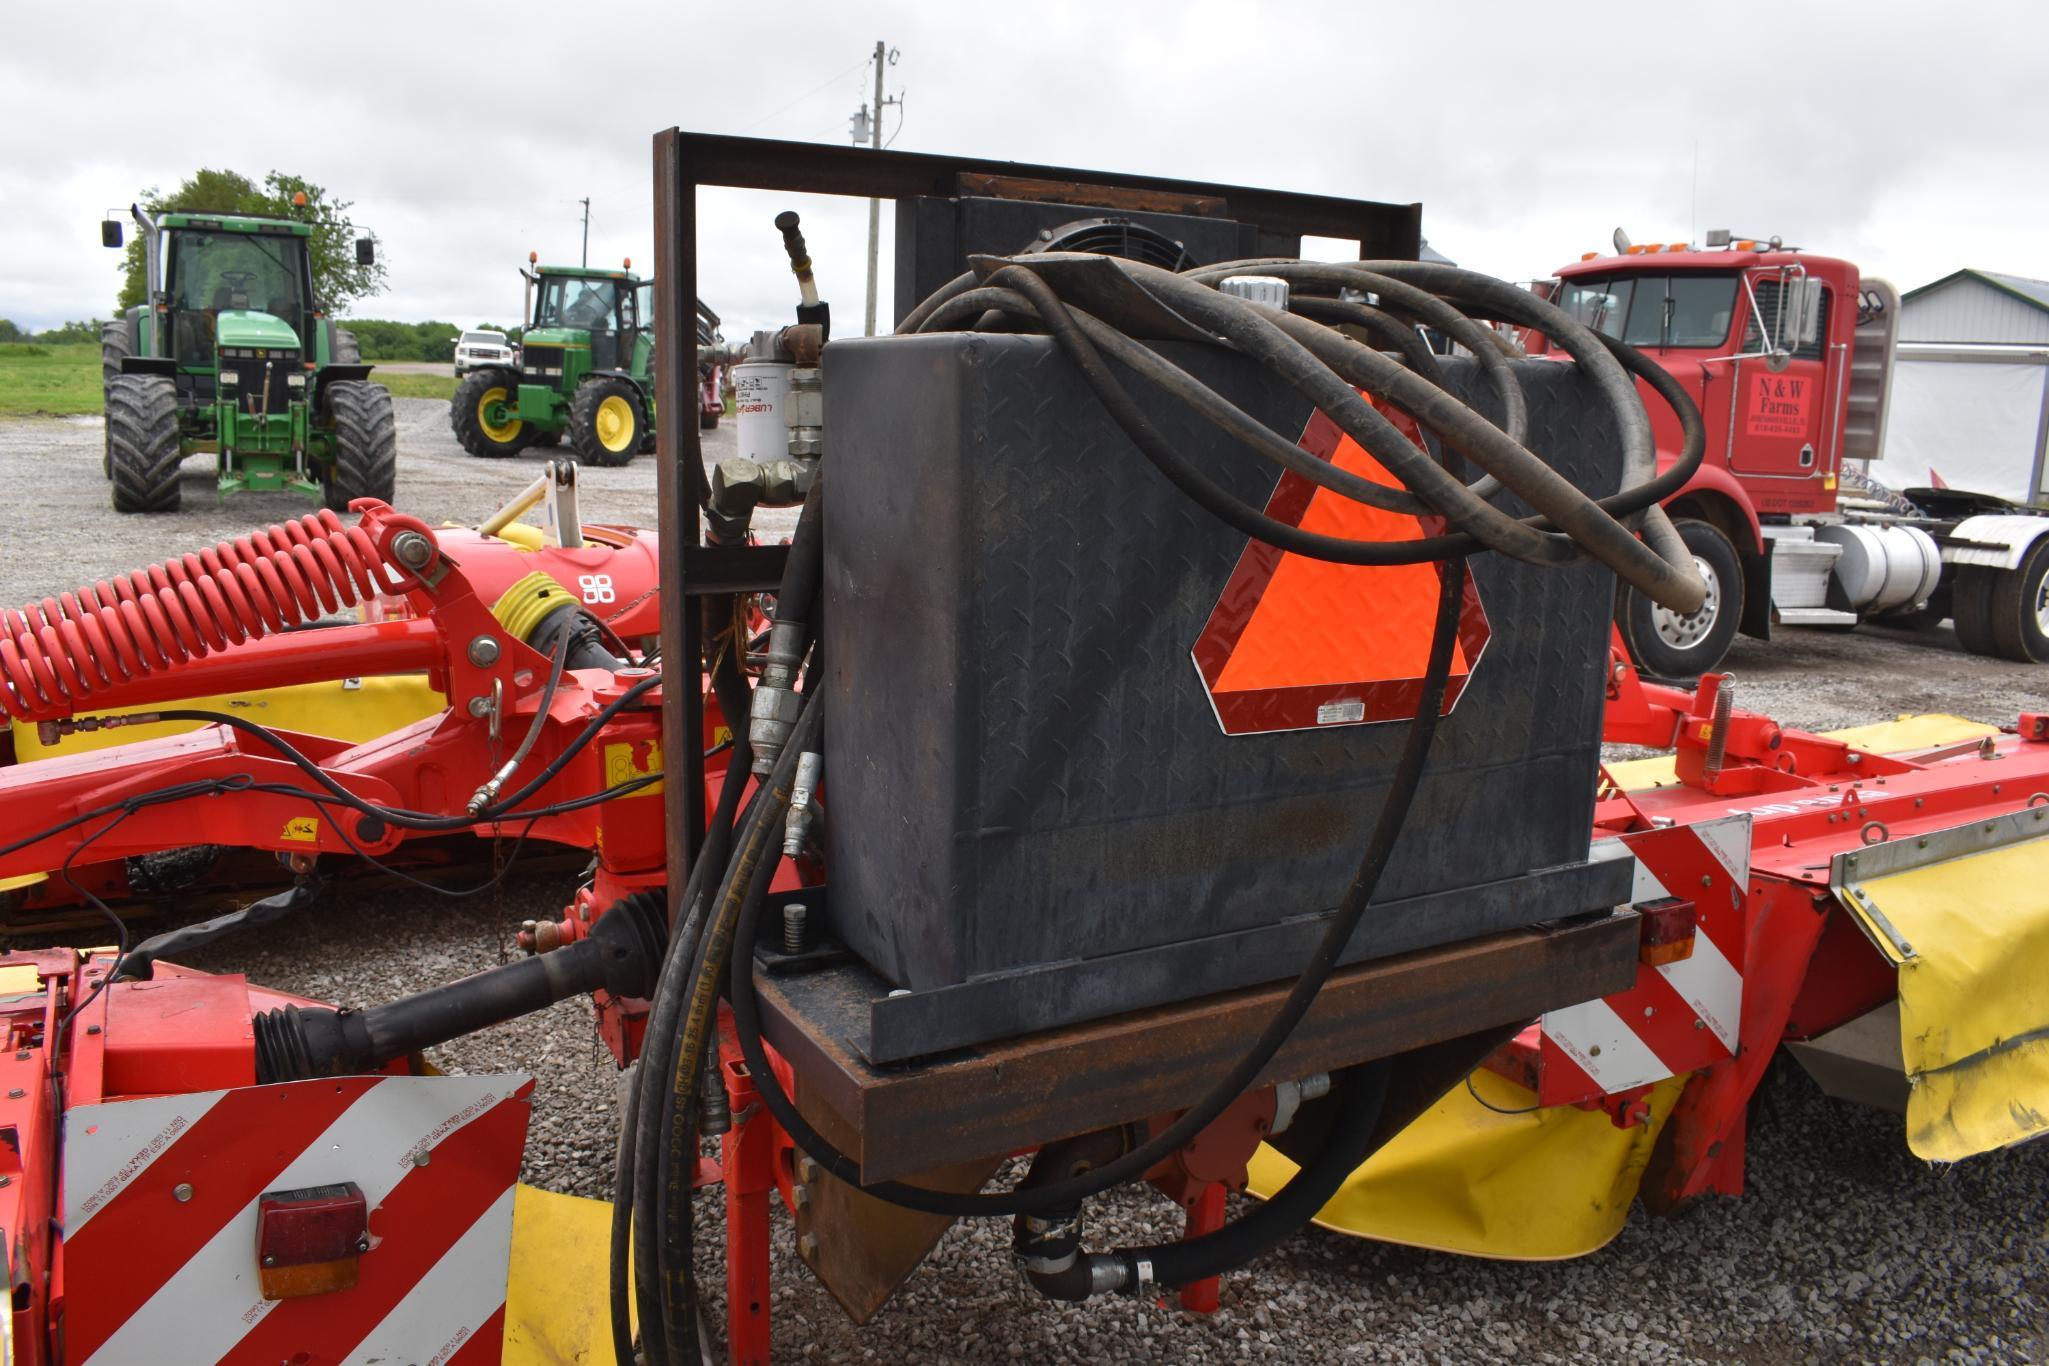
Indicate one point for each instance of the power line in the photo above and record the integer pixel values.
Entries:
(803, 97)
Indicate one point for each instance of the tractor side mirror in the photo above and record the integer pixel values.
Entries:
(110, 232)
(366, 251)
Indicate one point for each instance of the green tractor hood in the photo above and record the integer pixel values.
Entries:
(557, 336)
(241, 327)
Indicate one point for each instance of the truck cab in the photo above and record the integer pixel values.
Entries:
(1788, 356)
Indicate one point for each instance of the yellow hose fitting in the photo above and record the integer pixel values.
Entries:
(521, 608)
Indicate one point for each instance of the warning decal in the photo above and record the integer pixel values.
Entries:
(1778, 405)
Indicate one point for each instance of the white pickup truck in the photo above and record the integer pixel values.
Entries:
(476, 350)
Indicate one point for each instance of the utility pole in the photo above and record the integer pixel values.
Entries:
(586, 229)
(870, 130)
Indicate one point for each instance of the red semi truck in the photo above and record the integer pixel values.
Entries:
(1790, 356)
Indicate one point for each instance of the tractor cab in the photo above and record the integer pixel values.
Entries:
(597, 311)
(238, 305)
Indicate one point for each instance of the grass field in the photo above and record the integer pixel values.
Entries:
(58, 381)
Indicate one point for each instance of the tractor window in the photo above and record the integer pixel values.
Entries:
(1600, 305)
(215, 271)
(569, 302)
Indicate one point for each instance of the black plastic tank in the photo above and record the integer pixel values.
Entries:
(1036, 815)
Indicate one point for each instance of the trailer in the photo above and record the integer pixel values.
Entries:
(1792, 361)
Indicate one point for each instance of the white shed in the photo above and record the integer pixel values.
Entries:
(1969, 406)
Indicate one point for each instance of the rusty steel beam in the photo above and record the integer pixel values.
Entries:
(975, 1104)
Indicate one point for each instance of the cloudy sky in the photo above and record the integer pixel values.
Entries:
(1909, 138)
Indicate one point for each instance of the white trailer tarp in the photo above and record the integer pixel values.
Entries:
(1967, 417)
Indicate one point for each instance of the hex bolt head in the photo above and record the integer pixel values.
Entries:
(484, 651)
(412, 550)
(422, 1157)
(16, 1093)
(807, 1246)
(270, 1261)
(182, 1192)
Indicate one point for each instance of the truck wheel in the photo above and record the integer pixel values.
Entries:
(365, 444)
(606, 421)
(708, 420)
(469, 414)
(143, 453)
(2019, 608)
(1669, 645)
(1971, 606)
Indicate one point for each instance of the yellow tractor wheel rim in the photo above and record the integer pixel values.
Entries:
(502, 432)
(616, 423)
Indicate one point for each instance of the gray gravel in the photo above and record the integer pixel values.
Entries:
(1845, 1248)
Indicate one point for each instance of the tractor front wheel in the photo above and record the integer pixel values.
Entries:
(483, 415)
(142, 443)
(365, 444)
(606, 422)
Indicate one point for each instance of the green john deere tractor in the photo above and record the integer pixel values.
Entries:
(585, 367)
(231, 355)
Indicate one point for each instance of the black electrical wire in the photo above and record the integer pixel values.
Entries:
(1486, 1104)
(419, 820)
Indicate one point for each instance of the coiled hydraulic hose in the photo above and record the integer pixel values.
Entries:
(55, 654)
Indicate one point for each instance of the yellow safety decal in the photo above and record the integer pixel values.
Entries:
(1970, 934)
(302, 830)
(20, 980)
(1539, 1185)
(632, 759)
(352, 709)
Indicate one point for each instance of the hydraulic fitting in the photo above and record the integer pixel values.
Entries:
(714, 1111)
(776, 703)
(810, 766)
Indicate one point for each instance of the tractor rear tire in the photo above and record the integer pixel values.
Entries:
(478, 389)
(606, 422)
(143, 453)
(114, 349)
(346, 352)
(708, 421)
(365, 444)
(1667, 645)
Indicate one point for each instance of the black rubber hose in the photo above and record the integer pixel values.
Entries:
(754, 853)
(1291, 1207)
(639, 1136)
(1401, 793)
(804, 570)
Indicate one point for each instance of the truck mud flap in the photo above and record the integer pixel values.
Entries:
(1510, 1181)
(1964, 915)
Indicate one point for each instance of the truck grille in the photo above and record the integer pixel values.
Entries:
(247, 365)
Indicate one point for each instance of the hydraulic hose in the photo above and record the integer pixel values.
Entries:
(55, 654)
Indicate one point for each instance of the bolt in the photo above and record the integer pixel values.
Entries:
(1700, 1024)
(1707, 880)
(484, 651)
(92, 1029)
(422, 1158)
(1595, 1051)
(270, 1261)
(412, 550)
(1905, 947)
(22, 1056)
(1649, 1011)
(16, 1094)
(800, 1199)
(1718, 725)
(182, 1192)
(480, 706)
(807, 1246)
(795, 929)
(363, 1243)
(808, 1170)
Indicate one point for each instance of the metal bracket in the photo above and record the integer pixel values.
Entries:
(1849, 871)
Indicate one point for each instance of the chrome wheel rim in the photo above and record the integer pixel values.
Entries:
(1686, 630)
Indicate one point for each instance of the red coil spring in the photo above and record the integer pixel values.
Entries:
(54, 655)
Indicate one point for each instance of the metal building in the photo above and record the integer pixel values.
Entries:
(1969, 406)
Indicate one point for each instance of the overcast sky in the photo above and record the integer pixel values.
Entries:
(1906, 137)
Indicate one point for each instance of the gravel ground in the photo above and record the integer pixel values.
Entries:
(1845, 1248)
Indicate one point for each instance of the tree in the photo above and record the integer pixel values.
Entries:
(337, 279)
(9, 332)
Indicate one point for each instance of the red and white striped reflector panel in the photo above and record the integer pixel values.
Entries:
(1679, 1016)
(160, 1220)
